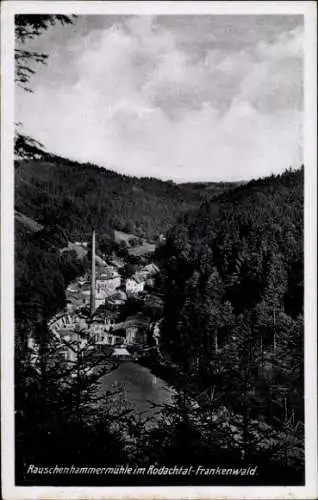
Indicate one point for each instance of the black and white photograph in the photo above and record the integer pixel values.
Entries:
(158, 200)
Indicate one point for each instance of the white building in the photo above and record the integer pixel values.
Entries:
(108, 285)
(100, 297)
(135, 285)
(66, 321)
(131, 334)
(107, 280)
(121, 353)
(103, 336)
(150, 269)
(156, 332)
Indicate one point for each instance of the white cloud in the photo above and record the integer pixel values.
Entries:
(140, 103)
(288, 44)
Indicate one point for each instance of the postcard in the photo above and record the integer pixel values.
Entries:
(158, 277)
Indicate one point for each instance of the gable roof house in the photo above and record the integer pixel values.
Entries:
(122, 354)
(150, 269)
(135, 284)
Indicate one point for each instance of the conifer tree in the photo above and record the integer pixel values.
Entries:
(28, 26)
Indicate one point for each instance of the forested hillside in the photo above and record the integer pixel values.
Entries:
(233, 282)
(42, 273)
(75, 196)
(208, 189)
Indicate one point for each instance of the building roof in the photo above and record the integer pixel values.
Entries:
(104, 309)
(99, 261)
(107, 273)
(150, 268)
(64, 332)
(130, 323)
(117, 262)
(121, 351)
(118, 295)
(138, 278)
(85, 287)
(139, 319)
(119, 326)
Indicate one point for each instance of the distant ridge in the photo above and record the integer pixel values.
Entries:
(75, 196)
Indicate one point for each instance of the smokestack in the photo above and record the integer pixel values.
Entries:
(93, 276)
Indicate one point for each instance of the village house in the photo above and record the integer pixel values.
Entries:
(82, 244)
(135, 329)
(131, 334)
(100, 297)
(77, 293)
(116, 299)
(103, 337)
(83, 279)
(74, 302)
(107, 280)
(98, 327)
(150, 283)
(71, 335)
(71, 306)
(135, 284)
(150, 269)
(70, 344)
(117, 262)
(85, 289)
(73, 340)
(67, 321)
(105, 314)
(107, 272)
(156, 332)
(121, 354)
(101, 328)
(76, 335)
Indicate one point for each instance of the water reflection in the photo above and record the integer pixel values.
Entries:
(135, 388)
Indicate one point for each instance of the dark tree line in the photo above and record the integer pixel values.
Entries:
(234, 284)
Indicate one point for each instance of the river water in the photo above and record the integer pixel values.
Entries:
(135, 388)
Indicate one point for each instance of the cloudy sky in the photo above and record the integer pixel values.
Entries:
(176, 97)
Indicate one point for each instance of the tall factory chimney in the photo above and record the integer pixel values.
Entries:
(92, 308)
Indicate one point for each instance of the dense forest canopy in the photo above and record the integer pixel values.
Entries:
(234, 285)
(53, 190)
